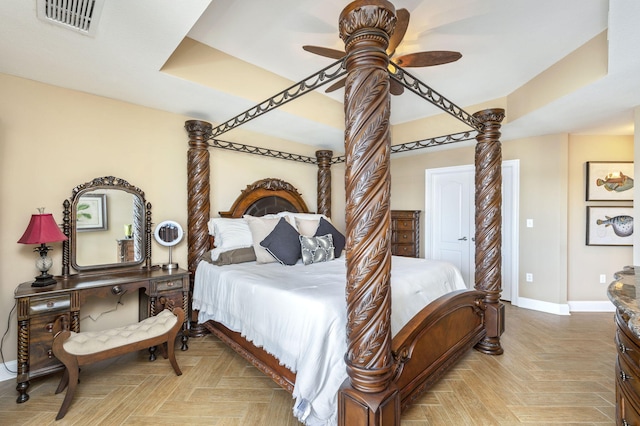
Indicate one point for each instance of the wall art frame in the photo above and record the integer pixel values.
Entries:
(609, 180)
(609, 226)
(92, 213)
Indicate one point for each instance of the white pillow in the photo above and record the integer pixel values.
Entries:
(260, 228)
(306, 216)
(230, 233)
(307, 227)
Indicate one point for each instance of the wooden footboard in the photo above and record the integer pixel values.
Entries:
(434, 339)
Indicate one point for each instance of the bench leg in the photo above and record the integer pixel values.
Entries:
(64, 381)
(73, 373)
(171, 351)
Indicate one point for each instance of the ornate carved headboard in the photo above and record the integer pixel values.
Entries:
(267, 196)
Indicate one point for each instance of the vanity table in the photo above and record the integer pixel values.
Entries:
(98, 273)
(39, 308)
(624, 292)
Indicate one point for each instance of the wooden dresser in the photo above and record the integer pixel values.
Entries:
(405, 233)
(39, 307)
(622, 293)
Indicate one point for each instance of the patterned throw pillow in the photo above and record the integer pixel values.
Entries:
(316, 249)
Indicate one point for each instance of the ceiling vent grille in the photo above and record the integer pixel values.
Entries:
(78, 15)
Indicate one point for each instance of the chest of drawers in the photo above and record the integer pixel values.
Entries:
(405, 233)
(627, 373)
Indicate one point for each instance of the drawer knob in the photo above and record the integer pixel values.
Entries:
(622, 348)
(50, 353)
(170, 284)
(624, 376)
(117, 290)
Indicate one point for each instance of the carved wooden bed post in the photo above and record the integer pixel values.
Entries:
(199, 207)
(368, 397)
(324, 181)
(488, 198)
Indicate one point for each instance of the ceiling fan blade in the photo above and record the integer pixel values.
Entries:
(402, 23)
(395, 87)
(337, 85)
(325, 51)
(427, 59)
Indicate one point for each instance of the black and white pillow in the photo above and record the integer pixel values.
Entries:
(316, 249)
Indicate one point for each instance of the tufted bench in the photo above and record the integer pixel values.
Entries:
(77, 349)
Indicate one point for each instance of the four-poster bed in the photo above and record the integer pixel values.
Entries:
(385, 372)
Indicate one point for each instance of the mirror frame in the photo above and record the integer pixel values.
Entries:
(156, 233)
(69, 248)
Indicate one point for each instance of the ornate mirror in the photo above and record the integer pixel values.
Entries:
(108, 223)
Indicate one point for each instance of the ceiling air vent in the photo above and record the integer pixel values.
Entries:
(78, 15)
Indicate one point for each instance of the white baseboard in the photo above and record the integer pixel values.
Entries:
(597, 306)
(539, 305)
(4, 374)
(566, 308)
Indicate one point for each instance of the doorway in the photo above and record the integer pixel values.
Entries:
(450, 221)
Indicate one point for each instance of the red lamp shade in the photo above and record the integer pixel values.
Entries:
(42, 229)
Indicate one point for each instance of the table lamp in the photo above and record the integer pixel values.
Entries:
(42, 229)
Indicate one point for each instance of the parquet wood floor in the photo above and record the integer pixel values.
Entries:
(556, 370)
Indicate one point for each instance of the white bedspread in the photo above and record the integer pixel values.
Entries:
(298, 314)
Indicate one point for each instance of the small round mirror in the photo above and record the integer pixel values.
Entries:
(168, 234)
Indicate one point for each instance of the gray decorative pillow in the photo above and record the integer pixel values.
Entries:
(325, 227)
(316, 249)
(230, 257)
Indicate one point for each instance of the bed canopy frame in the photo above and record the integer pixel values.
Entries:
(371, 396)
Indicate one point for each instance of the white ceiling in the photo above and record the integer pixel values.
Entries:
(504, 44)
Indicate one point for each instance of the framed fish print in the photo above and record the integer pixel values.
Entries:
(609, 226)
(609, 180)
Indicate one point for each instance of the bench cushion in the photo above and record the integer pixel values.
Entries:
(90, 342)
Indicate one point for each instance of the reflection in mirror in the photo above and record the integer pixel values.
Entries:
(112, 234)
(107, 225)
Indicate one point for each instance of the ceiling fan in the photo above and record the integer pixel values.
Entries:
(418, 59)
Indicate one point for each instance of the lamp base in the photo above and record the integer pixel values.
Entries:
(43, 280)
(169, 266)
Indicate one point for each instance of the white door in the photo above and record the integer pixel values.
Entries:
(450, 221)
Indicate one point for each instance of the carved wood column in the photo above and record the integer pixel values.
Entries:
(488, 198)
(198, 204)
(324, 181)
(368, 397)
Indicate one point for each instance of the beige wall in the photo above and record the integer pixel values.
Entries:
(552, 194)
(591, 261)
(52, 139)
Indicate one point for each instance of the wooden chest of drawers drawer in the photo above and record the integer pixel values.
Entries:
(41, 359)
(169, 285)
(408, 250)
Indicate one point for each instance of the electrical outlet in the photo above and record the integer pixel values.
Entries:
(603, 278)
(529, 277)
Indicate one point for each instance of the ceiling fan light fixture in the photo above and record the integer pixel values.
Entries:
(78, 15)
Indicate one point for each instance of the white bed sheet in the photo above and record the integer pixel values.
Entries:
(298, 314)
